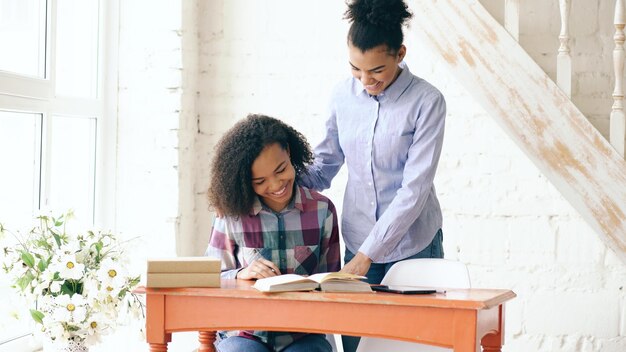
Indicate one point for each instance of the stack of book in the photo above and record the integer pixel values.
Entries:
(183, 272)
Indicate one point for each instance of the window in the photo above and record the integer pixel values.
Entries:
(53, 123)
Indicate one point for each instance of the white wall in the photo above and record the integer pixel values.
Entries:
(281, 58)
(150, 86)
(157, 127)
(148, 118)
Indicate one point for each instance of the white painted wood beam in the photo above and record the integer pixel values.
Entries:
(531, 109)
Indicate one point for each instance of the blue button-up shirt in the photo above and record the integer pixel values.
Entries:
(391, 144)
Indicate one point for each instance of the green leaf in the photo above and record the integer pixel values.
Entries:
(37, 316)
(70, 287)
(57, 221)
(67, 288)
(132, 282)
(28, 259)
(42, 265)
(42, 243)
(25, 280)
(57, 238)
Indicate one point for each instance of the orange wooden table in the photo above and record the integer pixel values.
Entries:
(462, 319)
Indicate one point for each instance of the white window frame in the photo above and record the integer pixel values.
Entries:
(26, 94)
(32, 95)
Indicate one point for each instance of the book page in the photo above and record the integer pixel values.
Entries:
(267, 283)
(321, 277)
(282, 279)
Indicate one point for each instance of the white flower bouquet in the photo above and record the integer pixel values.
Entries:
(75, 285)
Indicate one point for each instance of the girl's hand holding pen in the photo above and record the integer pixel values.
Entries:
(258, 269)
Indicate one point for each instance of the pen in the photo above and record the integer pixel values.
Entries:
(256, 255)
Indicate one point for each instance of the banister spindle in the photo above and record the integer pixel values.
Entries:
(511, 18)
(618, 120)
(564, 59)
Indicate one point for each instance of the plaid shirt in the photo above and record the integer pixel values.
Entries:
(302, 239)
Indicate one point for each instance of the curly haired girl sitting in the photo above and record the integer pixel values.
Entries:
(271, 224)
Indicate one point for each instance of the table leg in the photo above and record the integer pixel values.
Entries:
(207, 340)
(493, 341)
(158, 347)
(155, 323)
(491, 344)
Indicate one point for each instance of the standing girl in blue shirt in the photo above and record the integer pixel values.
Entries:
(387, 125)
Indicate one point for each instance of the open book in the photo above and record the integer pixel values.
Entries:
(330, 282)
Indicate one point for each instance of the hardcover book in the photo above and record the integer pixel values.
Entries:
(163, 280)
(184, 265)
(329, 282)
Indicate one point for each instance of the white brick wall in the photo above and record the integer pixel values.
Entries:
(589, 313)
(263, 57)
(501, 216)
(156, 133)
(148, 118)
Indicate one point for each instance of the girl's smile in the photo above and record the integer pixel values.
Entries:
(375, 68)
(273, 176)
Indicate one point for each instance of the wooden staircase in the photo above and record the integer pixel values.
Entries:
(539, 117)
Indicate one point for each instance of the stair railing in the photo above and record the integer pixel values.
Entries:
(617, 127)
(564, 59)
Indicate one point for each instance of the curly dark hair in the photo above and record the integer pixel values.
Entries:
(377, 22)
(231, 190)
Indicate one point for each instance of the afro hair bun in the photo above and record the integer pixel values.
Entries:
(385, 14)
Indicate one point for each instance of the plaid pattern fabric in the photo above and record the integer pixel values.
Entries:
(302, 239)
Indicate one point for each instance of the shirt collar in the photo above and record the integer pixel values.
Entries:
(295, 203)
(394, 90)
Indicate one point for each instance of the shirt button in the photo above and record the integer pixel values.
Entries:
(369, 183)
(372, 203)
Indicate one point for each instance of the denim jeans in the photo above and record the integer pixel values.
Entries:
(377, 272)
(309, 343)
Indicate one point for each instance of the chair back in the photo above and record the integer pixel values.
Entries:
(428, 272)
(418, 272)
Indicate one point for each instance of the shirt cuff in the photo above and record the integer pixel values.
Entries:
(230, 274)
(372, 250)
